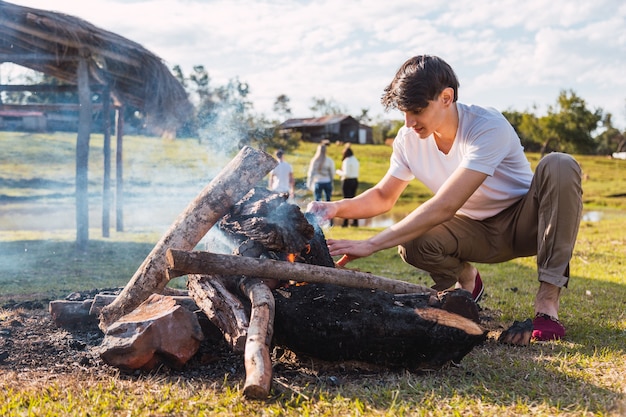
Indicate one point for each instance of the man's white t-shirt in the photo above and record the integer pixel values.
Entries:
(280, 177)
(485, 142)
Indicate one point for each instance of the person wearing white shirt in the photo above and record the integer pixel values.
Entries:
(487, 205)
(281, 177)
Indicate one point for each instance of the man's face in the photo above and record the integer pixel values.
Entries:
(420, 120)
(426, 120)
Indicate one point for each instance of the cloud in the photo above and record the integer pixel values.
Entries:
(507, 53)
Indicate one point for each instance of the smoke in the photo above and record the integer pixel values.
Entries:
(224, 131)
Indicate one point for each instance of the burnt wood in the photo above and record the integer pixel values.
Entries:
(336, 323)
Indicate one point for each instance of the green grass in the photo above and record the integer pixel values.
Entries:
(581, 375)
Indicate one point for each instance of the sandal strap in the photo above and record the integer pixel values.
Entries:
(547, 316)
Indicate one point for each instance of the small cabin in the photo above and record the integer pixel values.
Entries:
(335, 128)
(23, 121)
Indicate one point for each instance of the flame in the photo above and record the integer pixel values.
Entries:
(308, 249)
(291, 257)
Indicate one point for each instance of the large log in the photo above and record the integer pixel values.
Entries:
(183, 262)
(336, 323)
(211, 204)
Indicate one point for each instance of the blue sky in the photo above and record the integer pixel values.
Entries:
(508, 54)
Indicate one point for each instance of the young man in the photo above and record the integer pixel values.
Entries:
(281, 177)
(487, 207)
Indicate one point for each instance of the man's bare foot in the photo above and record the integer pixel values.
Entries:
(467, 279)
(547, 300)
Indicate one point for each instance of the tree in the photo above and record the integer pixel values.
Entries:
(569, 124)
(528, 129)
(364, 117)
(281, 106)
(611, 139)
(323, 107)
(384, 129)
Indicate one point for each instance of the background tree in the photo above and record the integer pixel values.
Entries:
(570, 125)
(323, 107)
(364, 117)
(282, 107)
(384, 129)
(611, 139)
(528, 129)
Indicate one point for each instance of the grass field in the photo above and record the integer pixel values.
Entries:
(581, 375)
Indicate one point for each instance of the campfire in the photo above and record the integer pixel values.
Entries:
(269, 281)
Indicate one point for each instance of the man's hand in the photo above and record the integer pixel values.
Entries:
(323, 210)
(350, 249)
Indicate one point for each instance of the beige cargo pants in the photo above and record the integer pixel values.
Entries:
(543, 223)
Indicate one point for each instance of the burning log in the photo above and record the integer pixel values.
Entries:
(199, 262)
(211, 204)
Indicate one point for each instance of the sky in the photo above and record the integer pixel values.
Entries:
(508, 54)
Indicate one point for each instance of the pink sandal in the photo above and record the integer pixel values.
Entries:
(479, 288)
(546, 327)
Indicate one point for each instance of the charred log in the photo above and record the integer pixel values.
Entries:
(336, 323)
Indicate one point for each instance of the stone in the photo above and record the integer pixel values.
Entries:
(158, 331)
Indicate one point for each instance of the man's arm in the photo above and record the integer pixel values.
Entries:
(440, 208)
(377, 200)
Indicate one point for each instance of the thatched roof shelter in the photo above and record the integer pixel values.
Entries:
(77, 52)
(54, 43)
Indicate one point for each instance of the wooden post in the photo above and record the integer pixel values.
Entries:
(82, 156)
(106, 150)
(213, 202)
(119, 170)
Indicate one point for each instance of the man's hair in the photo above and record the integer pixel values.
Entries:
(419, 80)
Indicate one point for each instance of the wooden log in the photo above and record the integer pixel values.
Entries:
(200, 262)
(336, 323)
(212, 203)
(222, 308)
(71, 314)
(257, 359)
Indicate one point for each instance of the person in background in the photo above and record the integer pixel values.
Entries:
(320, 174)
(487, 205)
(281, 177)
(349, 174)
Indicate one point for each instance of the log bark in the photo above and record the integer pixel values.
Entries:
(199, 262)
(257, 359)
(222, 308)
(211, 204)
(336, 323)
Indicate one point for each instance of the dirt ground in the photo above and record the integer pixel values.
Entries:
(31, 344)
